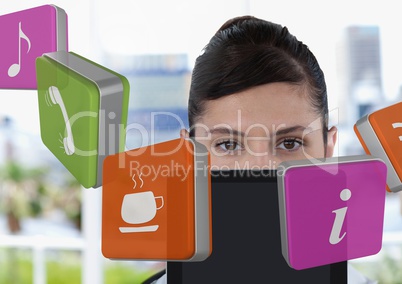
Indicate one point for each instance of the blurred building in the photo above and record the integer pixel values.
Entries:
(360, 86)
(159, 88)
(359, 72)
(6, 150)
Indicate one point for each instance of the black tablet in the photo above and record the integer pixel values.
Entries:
(246, 243)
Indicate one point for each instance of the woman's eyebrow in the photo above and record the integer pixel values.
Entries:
(281, 131)
(287, 130)
(225, 130)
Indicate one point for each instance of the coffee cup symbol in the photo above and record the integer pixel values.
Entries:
(138, 208)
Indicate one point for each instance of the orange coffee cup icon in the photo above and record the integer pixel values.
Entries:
(139, 208)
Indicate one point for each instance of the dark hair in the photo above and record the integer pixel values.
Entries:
(246, 52)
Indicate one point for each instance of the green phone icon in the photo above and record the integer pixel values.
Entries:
(53, 97)
(83, 110)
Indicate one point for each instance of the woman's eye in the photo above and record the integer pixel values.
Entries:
(228, 146)
(290, 144)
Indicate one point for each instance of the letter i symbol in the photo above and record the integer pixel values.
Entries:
(339, 218)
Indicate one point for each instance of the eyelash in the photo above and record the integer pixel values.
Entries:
(291, 140)
(218, 145)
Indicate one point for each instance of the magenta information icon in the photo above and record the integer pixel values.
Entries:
(26, 35)
(331, 211)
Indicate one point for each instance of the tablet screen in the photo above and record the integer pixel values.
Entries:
(246, 244)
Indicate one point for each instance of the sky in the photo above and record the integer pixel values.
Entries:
(150, 27)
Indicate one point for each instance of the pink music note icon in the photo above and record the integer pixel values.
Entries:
(16, 67)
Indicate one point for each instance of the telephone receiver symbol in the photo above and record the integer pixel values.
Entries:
(397, 125)
(68, 141)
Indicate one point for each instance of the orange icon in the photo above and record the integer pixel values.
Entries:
(380, 134)
(156, 203)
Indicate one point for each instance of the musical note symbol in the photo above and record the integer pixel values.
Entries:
(16, 67)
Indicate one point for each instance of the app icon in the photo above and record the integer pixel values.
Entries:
(156, 203)
(329, 215)
(83, 111)
(139, 207)
(26, 35)
(380, 134)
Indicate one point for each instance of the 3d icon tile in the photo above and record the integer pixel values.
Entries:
(26, 35)
(380, 134)
(331, 211)
(83, 111)
(156, 203)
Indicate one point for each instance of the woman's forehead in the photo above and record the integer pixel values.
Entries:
(270, 105)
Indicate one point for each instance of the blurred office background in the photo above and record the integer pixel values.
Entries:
(50, 226)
